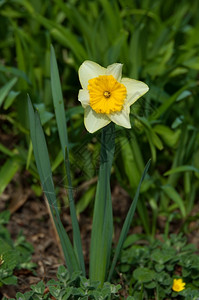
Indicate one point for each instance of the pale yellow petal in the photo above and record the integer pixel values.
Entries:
(115, 70)
(135, 89)
(94, 121)
(89, 70)
(84, 97)
(121, 118)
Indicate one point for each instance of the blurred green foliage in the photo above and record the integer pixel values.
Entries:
(157, 42)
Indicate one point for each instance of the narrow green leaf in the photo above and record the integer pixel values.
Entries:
(112, 13)
(127, 223)
(57, 161)
(166, 105)
(7, 172)
(15, 72)
(129, 166)
(170, 137)
(85, 200)
(136, 53)
(63, 136)
(63, 35)
(143, 212)
(172, 194)
(184, 95)
(181, 169)
(75, 225)
(30, 149)
(115, 50)
(102, 229)
(44, 169)
(5, 150)
(10, 99)
(58, 102)
(76, 18)
(6, 88)
(21, 60)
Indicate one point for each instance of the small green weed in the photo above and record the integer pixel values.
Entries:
(74, 288)
(151, 269)
(13, 254)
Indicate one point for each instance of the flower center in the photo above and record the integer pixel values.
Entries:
(107, 95)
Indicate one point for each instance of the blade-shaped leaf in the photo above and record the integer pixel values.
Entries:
(185, 168)
(63, 35)
(63, 136)
(8, 170)
(44, 169)
(127, 223)
(173, 194)
(102, 229)
(6, 88)
(58, 102)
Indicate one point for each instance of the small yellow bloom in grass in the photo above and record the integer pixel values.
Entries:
(178, 285)
(106, 96)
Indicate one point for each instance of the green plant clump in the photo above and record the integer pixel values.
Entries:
(14, 255)
(73, 288)
(150, 269)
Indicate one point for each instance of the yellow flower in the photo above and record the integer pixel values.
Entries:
(178, 285)
(106, 96)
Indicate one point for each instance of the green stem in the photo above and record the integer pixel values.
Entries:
(75, 225)
(102, 229)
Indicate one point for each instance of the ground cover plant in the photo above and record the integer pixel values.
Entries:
(15, 255)
(157, 43)
(66, 287)
(152, 269)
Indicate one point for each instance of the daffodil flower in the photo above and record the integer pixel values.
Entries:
(178, 285)
(106, 96)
